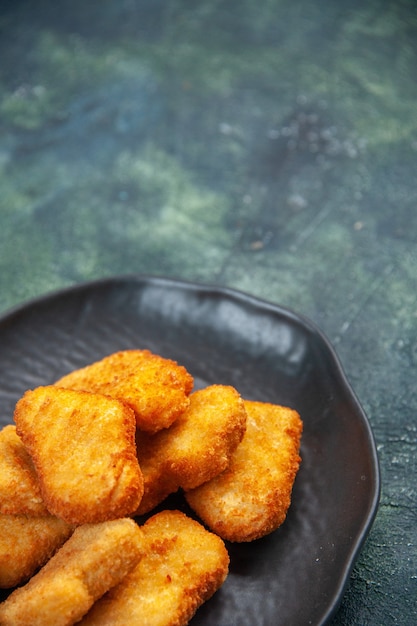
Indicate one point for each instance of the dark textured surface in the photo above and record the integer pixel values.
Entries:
(268, 146)
(268, 354)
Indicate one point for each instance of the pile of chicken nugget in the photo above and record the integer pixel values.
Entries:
(104, 446)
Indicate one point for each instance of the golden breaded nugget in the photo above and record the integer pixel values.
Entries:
(194, 449)
(156, 388)
(94, 559)
(83, 447)
(26, 543)
(251, 498)
(182, 567)
(19, 485)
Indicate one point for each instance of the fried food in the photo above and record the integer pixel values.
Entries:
(194, 449)
(83, 448)
(112, 440)
(182, 567)
(156, 388)
(251, 498)
(94, 559)
(26, 543)
(19, 485)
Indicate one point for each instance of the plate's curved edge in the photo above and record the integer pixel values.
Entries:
(259, 303)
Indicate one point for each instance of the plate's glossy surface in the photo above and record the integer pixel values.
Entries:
(297, 574)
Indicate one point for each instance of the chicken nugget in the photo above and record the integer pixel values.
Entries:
(94, 559)
(251, 498)
(83, 448)
(26, 543)
(19, 485)
(156, 388)
(183, 566)
(194, 449)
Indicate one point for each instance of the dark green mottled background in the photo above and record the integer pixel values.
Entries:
(269, 146)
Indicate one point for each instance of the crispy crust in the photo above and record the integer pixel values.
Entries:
(94, 559)
(26, 543)
(196, 448)
(83, 447)
(156, 388)
(182, 567)
(19, 486)
(251, 498)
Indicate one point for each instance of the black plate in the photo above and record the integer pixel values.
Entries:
(297, 574)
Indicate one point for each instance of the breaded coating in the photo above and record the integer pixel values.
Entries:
(19, 485)
(194, 449)
(156, 388)
(251, 498)
(182, 567)
(94, 559)
(83, 448)
(26, 543)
